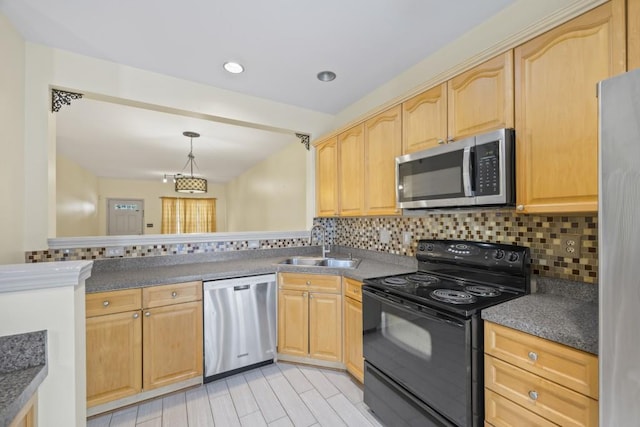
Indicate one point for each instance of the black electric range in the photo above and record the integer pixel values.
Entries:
(423, 334)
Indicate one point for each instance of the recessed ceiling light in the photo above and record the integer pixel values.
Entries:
(233, 67)
(326, 76)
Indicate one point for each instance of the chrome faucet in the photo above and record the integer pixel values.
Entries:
(325, 247)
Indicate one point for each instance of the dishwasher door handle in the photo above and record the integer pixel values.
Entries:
(241, 288)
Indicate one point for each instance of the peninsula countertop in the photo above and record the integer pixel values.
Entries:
(23, 367)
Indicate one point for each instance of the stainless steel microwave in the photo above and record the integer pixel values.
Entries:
(476, 171)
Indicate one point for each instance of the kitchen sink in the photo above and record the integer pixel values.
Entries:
(304, 261)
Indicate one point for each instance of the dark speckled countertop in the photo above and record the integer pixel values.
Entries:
(561, 311)
(23, 367)
(124, 273)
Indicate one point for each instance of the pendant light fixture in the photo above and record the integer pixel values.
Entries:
(190, 184)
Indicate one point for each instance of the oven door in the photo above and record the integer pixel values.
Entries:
(440, 176)
(427, 353)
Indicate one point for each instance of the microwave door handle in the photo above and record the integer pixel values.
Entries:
(467, 170)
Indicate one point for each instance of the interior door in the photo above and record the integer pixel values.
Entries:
(124, 216)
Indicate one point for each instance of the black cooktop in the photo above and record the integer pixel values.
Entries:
(461, 277)
(457, 296)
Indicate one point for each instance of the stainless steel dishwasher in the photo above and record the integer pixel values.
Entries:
(239, 324)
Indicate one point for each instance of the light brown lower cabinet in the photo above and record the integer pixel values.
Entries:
(28, 415)
(353, 359)
(530, 381)
(132, 348)
(310, 316)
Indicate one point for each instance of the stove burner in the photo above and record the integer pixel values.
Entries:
(482, 291)
(394, 281)
(452, 296)
(423, 279)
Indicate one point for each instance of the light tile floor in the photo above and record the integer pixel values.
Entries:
(278, 395)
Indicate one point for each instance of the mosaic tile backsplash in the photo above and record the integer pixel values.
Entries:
(540, 232)
(75, 254)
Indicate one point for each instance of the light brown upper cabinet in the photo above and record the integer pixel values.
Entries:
(481, 99)
(382, 144)
(557, 109)
(476, 101)
(327, 177)
(351, 171)
(424, 120)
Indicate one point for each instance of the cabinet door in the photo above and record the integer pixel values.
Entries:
(114, 356)
(557, 112)
(481, 99)
(172, 342)
(325, 326)
(327, 178)
(424, 120)
(293, 322)
(382, 144)
(350, 171)
(353, 338)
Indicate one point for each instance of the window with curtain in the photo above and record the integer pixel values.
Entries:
(185, 215)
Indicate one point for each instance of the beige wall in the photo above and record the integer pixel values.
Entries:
(77, 200)
(150, 192)
(12, 51)
(271, 195)
(47, 67)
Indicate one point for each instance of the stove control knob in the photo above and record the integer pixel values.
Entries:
(513, 257)
(499, 254)
(422, 247)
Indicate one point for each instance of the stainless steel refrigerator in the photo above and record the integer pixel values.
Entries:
(619, 250)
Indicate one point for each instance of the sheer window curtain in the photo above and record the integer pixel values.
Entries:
(188, 215)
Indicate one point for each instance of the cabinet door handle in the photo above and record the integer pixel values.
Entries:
(533, 395)
(533, 356)
(308, 283)
(441, 141)
(147, 314)
(106, 303)
(304, 294)
(174, 294)
(520, 208)
(136, 315)
(311, 296)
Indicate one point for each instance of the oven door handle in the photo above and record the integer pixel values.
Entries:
(414, 309)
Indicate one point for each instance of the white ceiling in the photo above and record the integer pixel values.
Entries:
(283, 44)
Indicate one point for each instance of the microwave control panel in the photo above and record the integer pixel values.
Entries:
(488, 169)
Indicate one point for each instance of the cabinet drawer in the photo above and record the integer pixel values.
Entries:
(564, 365)
(156, 296)
(545, 398)
(501, 412)
(111, 302)
(310, 282)
(353, 289)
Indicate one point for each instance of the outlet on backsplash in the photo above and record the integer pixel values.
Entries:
(406, 238)
(570, 245)
(385, 236)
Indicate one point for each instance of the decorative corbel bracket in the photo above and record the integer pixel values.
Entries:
(62, 97)
(304, 139)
